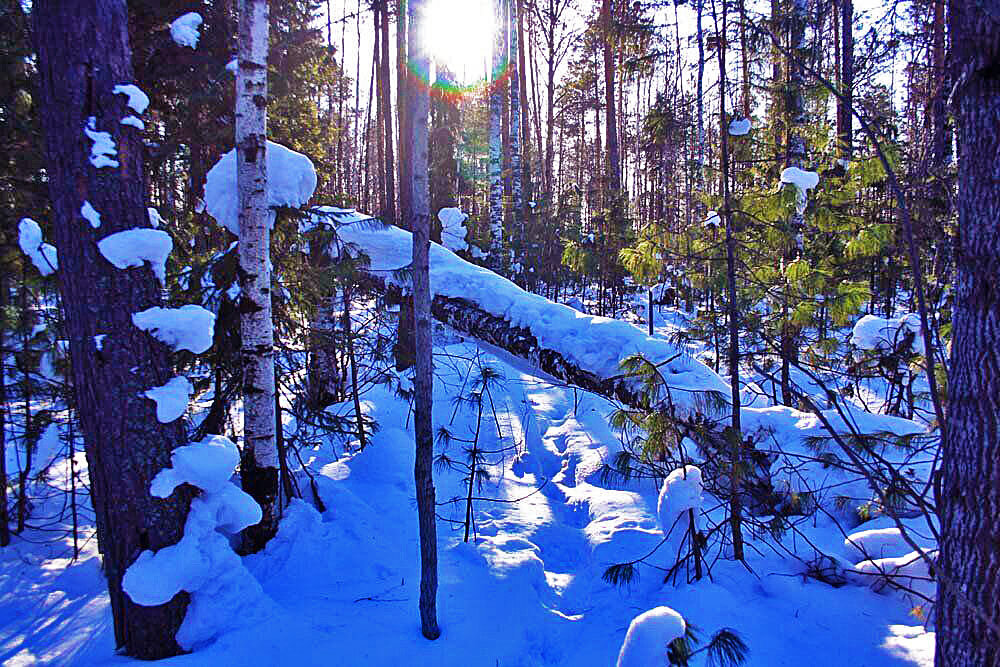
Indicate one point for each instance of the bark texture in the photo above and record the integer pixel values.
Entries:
(259, 464)
(495, 141)
(968, 600)
(125, 444)
(423, 381)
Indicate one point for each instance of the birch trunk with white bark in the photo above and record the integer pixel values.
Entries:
(259, 465)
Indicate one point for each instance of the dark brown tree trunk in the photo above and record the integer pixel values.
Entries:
(125, 444)
(4, 518)
(402, 104)
(968, 599)
(423, 380)
(845, 119)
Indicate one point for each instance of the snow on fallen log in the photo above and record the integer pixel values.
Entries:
(583, 349)
(587, 350)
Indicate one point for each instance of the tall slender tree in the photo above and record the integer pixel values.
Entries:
(126, 445)
(495, 137)
(968, 598)
(423, 381)
(259, 464)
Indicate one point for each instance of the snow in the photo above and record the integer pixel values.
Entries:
(876, 543)
(184, 30)
(138, 101)
(453, 231)
(223, 592)
(596, 344)
(99, 341)
(884, 334)
(681, 491)
(802, 180)
(713, 220)
(134, 122)
(648, 635)
(171, 399)
(207, 464)
(42, 255)
(526, 591)
(291, 181)
(189, 327)
(233, 66)
(134, 247)
(102, 149)
(90, 214)
(155, 219)
(739, 127)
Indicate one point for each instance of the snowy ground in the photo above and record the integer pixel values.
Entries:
(341, 587)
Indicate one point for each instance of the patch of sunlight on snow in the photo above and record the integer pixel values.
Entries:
(911, 642)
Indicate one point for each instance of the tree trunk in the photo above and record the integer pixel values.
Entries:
(736, 434)
(259, 464)
(495, 141)
(423, 382)
(968, 598)
(4, 518)
(845, 119)
(614, 167)
(515, 124)
(386, 89)
(126, 445)
(402, 104)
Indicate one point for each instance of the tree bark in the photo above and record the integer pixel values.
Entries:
(386, 89)
(968, 599)
(614, 167)
(423, 382)
(259, 464)
(126, 445)
(845, 119)
(515, 60)
(495, 140)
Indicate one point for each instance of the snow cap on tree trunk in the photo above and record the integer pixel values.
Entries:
(291, 181)
(42, 255)
(184, 29)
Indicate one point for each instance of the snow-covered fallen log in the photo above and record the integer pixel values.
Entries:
(587, 351)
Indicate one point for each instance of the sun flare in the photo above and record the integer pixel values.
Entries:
(460, 37)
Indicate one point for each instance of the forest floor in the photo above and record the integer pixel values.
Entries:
(340, 586)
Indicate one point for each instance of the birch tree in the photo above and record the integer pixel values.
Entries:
(495, 139)
(423, 382)
(259, 465)
(113, 362)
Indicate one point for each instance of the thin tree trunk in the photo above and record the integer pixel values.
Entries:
(614, 167)
(4, 518)
(968, 565)
(736, 436)
(522, 83)
(126, 445)
(402, 104)
(845, 119)
(423, 382)
(390, 167)
(259, 463)
(515, 124)
(496, 142)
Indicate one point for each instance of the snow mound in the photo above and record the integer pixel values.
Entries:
(876, 543)
(681, 491)
(42, 255)
(739, 127)
(452, 230)
(138, 101)
(90, 214)
(184, 29)
(223, 592)
(884, 334)
(171, 399)
(134, 247)
(102, 149)
(291, 181)
(648, 636)
(189, 327)
(910, 572)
